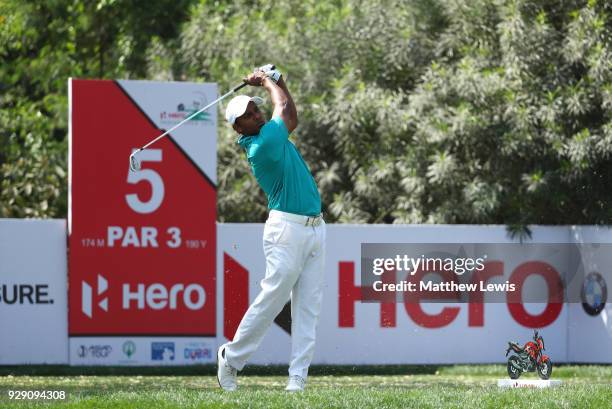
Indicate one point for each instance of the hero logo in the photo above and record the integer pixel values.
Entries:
(156, 296)
(87, 299)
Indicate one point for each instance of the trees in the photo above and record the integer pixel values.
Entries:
(516, 123)
(42, 44)
(348, 65)
(421, 111)
(429, 111)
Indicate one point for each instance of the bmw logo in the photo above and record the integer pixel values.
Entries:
(594, 294)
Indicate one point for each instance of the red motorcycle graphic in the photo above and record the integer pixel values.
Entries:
(529, 358)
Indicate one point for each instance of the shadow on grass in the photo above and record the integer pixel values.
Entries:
(281, 370)
(209, 370)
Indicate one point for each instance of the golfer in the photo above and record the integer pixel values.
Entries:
(294, 233)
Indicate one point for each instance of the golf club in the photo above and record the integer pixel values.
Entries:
(135, 163)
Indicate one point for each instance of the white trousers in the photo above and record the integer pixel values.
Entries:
(295, 256)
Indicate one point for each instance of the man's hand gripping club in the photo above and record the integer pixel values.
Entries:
(271, 79)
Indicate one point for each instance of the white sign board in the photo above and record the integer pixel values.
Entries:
(33, 292)
(352, 332)
(142, 351)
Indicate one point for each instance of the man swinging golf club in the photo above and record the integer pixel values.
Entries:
(294, 234)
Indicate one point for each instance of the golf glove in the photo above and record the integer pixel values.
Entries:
(270, 71)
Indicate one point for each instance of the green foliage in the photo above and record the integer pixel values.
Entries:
(34, 171)
(428, 111)
(347, 64)
(42, 44)
(518, 108)
(420, 111)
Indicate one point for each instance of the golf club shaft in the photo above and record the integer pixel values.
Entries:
(236, 88)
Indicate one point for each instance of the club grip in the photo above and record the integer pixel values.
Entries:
(238, 87)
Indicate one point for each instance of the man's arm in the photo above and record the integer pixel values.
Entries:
(283, 102)
(281, 98)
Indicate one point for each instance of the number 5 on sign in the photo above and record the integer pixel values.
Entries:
(151, 176)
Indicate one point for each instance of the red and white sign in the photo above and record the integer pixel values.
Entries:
(33, 304)
(142, 244)
(353, 332)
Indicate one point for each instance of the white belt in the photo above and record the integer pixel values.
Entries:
(297, 218)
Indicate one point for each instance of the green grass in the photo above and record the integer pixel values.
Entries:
(387, 387)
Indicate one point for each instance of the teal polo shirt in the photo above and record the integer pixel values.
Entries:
(280, 170)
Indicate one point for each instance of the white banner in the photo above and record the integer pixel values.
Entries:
(590, 323)
(142, 351)
(352, 332)
(33, 306)
(33, 292)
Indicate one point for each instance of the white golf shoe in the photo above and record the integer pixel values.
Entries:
(226, 375)
(296, 384)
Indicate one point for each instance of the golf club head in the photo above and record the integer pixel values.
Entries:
(134, 163)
